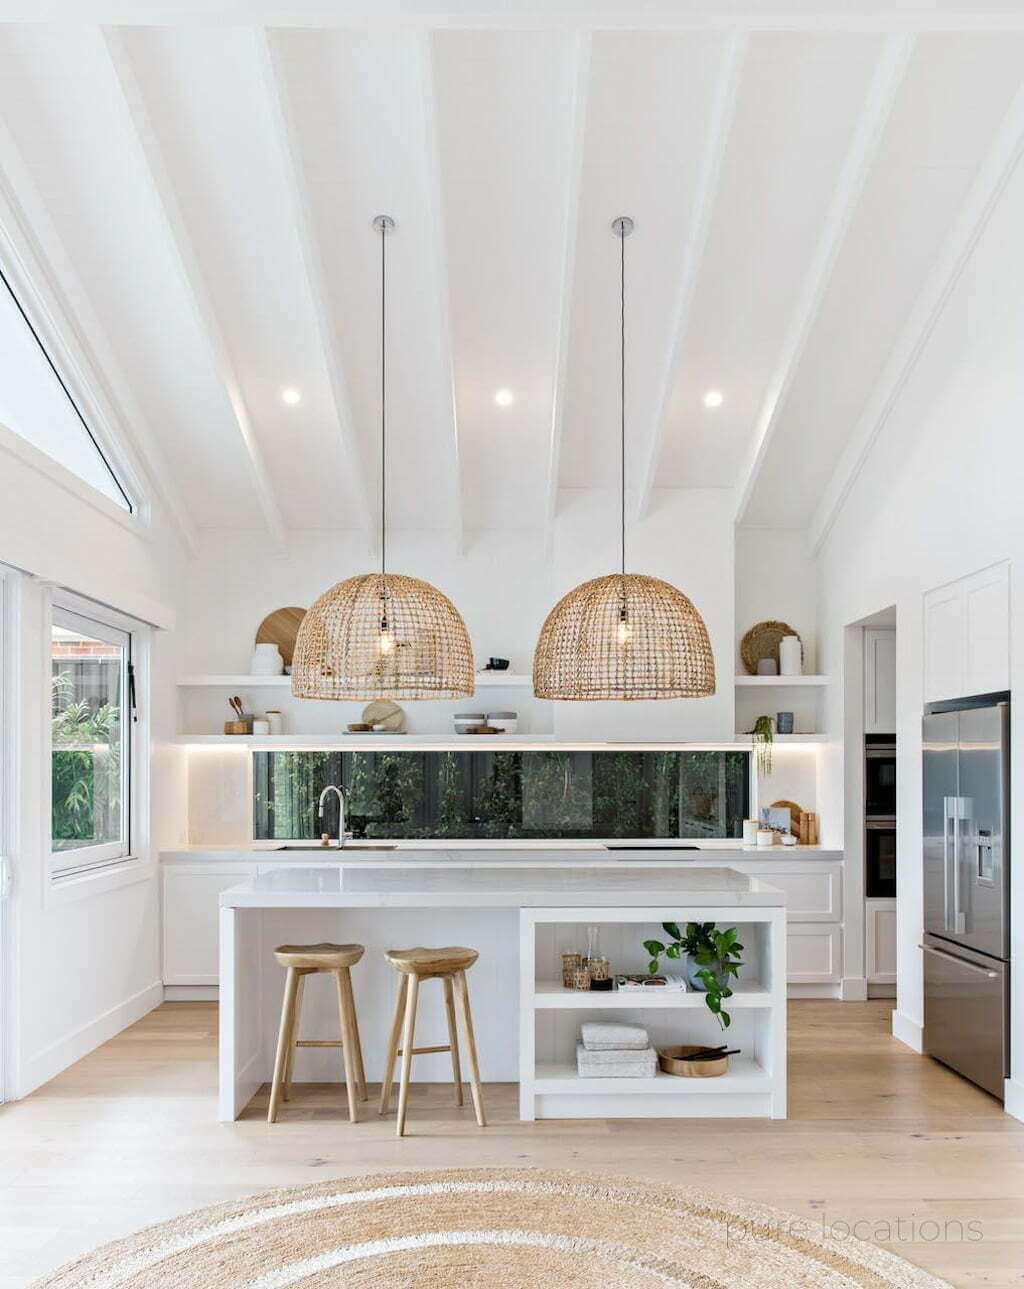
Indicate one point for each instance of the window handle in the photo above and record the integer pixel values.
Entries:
(132, 706)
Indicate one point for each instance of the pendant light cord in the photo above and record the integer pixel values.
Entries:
(383, 406)
(622, 388)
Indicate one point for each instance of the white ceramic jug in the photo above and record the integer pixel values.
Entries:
(266, 661)
(790, 656)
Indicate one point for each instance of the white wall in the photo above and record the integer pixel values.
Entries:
(939, 497)
(86, 959)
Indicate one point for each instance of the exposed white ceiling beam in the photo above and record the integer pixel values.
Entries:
(571, 15)
(285, 139)
(44, 277)
(885, 84)
(140, 129)
(570, 215)
(989, 184)
(705, 197)
(435, 216)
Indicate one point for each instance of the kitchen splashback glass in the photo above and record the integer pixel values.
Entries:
(499, 795)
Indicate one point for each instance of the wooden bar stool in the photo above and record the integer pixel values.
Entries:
(449, 966)
(304, 960)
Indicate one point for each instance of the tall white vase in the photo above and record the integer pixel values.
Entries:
(790, 656)
(266, 661)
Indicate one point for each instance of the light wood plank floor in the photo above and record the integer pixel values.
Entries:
(129, 1136)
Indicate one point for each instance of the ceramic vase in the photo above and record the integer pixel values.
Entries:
(266, 661)
(790, 656)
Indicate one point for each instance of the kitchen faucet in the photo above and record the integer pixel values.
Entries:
(333, 787)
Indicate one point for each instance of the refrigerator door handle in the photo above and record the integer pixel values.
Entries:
(960, 962)
(959, 920)
(947, 816)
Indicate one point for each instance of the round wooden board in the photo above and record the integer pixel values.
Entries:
(280, 628)
(382, 711)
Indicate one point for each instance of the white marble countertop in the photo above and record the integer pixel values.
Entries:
(503, 855)
(385, 886)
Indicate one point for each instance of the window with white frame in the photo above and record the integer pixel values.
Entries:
(91, 744)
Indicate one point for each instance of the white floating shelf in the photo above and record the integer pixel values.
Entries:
(744, 1075)
(463, 742)
(782, 682)
(787, 740)
(550, 995)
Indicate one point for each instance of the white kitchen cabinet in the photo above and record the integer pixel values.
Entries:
(967, 635)
(814, 953)
(987, 630)
(879, 681)
(880, 942)
(191, 919)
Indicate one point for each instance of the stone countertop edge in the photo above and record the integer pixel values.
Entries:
(491, 857)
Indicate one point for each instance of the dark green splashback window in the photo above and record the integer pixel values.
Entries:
(526, 794)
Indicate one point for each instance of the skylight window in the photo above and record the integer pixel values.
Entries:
(36, 404)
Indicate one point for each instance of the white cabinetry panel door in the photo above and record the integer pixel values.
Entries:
(943, 643)
(967, 635)
(814, 954)
(987, 631)
(191, 917)
(880, 942)
(879, 681)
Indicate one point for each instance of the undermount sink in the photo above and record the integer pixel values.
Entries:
(349, 845)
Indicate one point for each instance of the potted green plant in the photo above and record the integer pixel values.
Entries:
(764, 733)
(712, 958)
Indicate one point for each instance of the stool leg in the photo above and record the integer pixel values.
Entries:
(408, 1038)
(293, 1036)
(462, 989)
(348, 1046)
(360, 1072)
(389, 1060)
(453, 1037)
(280, 1063)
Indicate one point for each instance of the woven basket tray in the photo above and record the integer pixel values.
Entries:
(762, 641)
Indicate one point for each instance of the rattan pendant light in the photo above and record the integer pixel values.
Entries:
(383, 635)
(624, 636)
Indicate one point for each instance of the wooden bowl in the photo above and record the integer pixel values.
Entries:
(672, 1060)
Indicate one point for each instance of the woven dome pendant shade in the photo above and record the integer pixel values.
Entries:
(383, 635)
(338, 652)
(580, 654)
(625, 636)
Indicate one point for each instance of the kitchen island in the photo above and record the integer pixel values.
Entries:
(520, 919)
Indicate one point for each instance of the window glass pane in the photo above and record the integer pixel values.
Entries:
(88, 745)
(526, 794)
(35, 405)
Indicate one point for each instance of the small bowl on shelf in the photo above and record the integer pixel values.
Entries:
(506, 722)
(465, 721)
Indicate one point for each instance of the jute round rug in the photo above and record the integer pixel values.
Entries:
(471, 1228)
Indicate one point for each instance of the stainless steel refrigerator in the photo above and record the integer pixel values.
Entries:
(967, 887)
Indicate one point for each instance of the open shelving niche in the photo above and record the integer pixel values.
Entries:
(804, 696)
(550, 1017)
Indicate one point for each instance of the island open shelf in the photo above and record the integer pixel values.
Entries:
(550, 1016)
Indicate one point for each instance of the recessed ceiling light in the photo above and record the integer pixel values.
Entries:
(504, 398)
(291, 396)
(713, 398)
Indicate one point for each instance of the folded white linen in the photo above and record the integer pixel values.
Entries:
(602, 1036)
(622, 1064)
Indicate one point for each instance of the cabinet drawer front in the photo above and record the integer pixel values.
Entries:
(814, 954)
(812, 896)
(191, 921)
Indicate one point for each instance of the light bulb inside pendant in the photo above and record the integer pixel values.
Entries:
(624, 631)
(386, 639)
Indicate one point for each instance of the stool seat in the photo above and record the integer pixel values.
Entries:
(318, 957)
(427, 963)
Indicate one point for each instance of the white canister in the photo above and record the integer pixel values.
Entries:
(507, 722)
(765, 837)
(266, 661)
(276, 721)
(750, 832)
(260, 725)
(791, 661)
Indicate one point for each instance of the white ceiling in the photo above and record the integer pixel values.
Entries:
(199, 197)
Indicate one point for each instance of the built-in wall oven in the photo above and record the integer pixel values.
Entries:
(880, 816)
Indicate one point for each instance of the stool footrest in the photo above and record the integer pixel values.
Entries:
(424, 1051)
(318, 1042)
